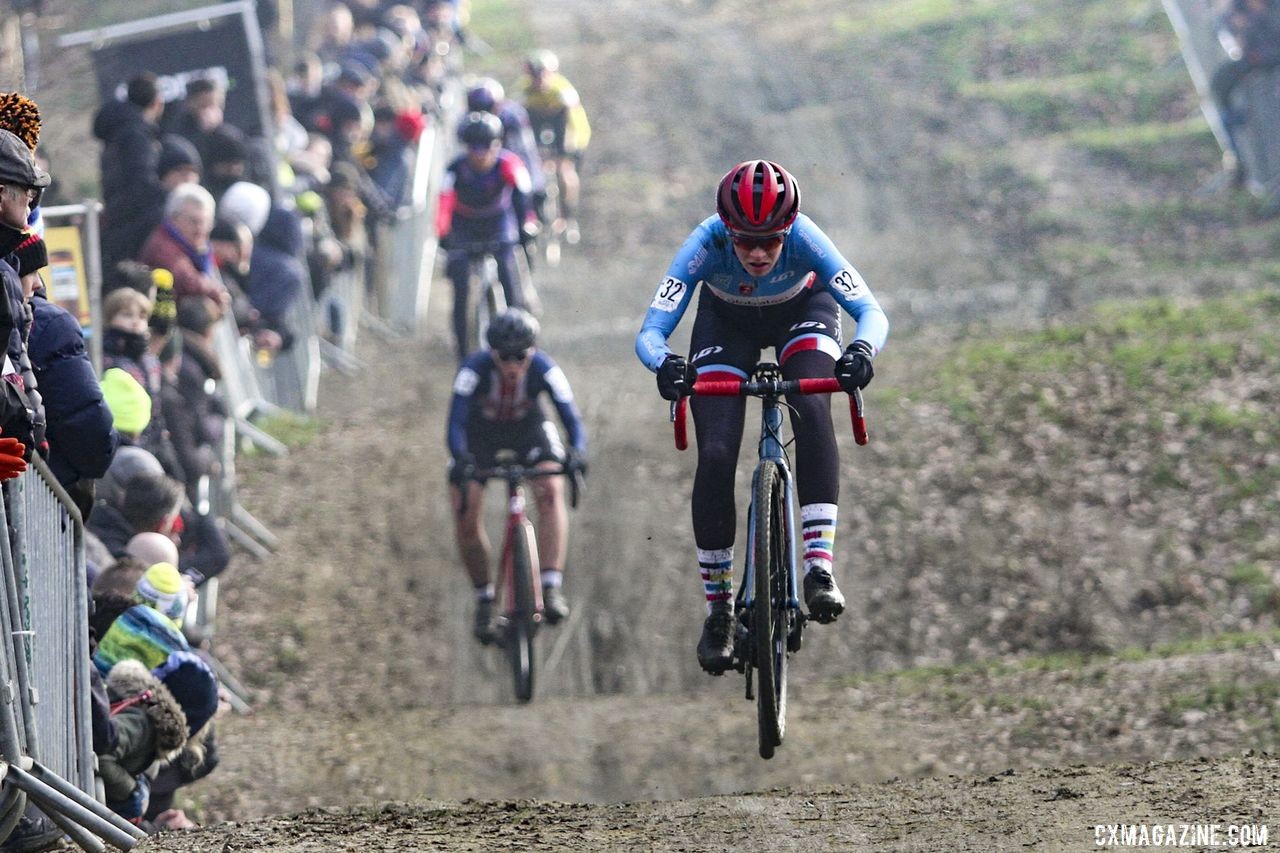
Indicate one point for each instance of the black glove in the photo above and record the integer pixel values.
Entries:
(676, 377)
(445, 242)
(575, 464)
(462, 468)
(854, 367)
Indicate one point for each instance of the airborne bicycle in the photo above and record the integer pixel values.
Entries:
(770, 623)
(519, 581)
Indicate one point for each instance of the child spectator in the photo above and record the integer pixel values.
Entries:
(125, 313)
(162, 589)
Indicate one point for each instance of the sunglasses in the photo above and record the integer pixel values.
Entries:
(769, 243)
(512, 357)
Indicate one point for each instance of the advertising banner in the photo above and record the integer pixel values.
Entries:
(65, 279)
(226, 48)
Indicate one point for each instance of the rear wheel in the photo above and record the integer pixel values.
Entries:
(553, 226)
(771, 617)
(522, 621)
(491, 302)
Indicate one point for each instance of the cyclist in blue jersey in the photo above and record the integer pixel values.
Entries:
(484, 205)
(496, 406)
(770, 278)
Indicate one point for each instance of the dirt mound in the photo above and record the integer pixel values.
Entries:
(965, 217)
(1042, 809)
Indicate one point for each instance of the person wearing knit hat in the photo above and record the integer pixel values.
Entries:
(164, 304)
(162, 589)
(140, 633)
(179, 162)
(129, 402)
(247, 203)
(193, 684)
(32, 254)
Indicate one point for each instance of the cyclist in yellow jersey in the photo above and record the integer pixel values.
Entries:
(560, 125)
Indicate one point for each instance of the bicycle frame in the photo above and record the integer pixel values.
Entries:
(518, 524)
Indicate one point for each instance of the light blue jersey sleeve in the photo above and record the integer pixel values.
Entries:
(815, 250)
(673, 296)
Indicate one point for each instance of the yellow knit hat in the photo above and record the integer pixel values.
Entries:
(129, 402)
(161, 588)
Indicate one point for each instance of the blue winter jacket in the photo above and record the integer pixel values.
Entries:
(82, 440)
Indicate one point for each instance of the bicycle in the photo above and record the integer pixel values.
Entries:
(552, 237)
(492, 299)
(770, 624)
(519, 581)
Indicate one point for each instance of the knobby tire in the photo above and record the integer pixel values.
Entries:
(522, 620)
(490, 302)
(770, 614)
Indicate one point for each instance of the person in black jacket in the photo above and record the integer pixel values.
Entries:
(131, 188)
(81, 438)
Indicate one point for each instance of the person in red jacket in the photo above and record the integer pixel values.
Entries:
(180, 244)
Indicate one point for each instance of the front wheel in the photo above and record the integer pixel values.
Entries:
(770, 614)
(522, 620)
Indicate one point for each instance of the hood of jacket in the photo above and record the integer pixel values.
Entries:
(282, 231)
(118, 116)
(128, 679)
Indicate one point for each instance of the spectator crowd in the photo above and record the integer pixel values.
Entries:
(203, 228)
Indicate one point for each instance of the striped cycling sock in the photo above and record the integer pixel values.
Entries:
(552, 577)
(818, 526)
(717, 574)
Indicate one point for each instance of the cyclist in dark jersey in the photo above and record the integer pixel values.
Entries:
(486, 95)
(496, 406)
(484, 204)
(770, 277)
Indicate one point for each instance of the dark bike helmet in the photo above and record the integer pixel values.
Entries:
(758, 198)
(486, 94)
(514, 330)
(542, 60)
(479, 129)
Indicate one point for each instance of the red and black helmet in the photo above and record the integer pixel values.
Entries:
(758, 197)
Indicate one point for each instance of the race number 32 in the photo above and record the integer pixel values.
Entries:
(669, 293)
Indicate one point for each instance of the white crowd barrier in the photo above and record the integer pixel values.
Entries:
(1257, 98)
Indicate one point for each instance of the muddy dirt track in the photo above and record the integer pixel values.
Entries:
(355, 639)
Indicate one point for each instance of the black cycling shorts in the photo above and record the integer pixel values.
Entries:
(727, 339)
(533, 440)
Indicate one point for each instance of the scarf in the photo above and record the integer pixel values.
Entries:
(202, 260)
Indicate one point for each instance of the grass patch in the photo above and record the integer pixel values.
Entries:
(923, 676)
(1155, 342)
(504, 26)
(290, 428)
(895, 17)
(1154, 148)
(1107, 96)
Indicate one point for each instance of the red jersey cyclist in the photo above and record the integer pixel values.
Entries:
(770, 278)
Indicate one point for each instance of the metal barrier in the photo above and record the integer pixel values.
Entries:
(411, 249)
(1258, 96)
(291, 379)
(45, 724)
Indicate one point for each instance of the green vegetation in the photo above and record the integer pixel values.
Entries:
(291, 429)
(1158, 348)
(504, 26)
(935, 677)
